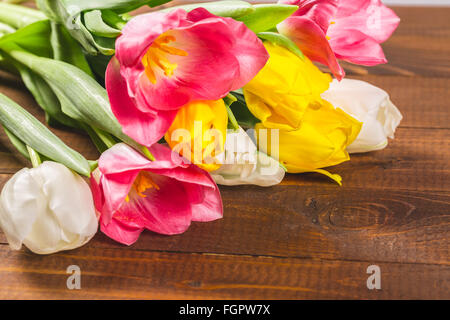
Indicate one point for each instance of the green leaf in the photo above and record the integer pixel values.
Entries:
(45, 97)
(6, 29)
(283, 41)
(66, 49)
(267, 16)
(17, 143)
(95, 24)
(35, 135)
(241, 112)
(19, 16)
(33, 38)
(233, 9)
(98, 64)
(113, 19)
(70, 13)
(81, 97)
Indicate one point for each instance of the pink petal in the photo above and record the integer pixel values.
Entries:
(371, 17)
(310, 38)
(250, 52)
(140, 32)
(206, 73)
(357, 48)
(166, 210)
(319, 11)
(210, 208)
(222, 55)
(120, 231)
(146, 128)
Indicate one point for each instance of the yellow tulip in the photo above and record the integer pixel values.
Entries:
(199, 131)
(282, 91)
(321, 141)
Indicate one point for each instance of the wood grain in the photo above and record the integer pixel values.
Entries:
(131, 274)
(304, 239)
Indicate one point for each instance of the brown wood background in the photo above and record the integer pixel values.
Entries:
(304, 239)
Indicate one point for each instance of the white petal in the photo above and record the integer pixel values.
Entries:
(75, 197)
(244, 165)
(370, 105)
(52, 205)
(21, 200)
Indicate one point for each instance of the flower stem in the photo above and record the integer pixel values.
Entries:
(34, 157)
(229, 100)
(105, 137)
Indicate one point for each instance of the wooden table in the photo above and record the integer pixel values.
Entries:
(305, 239)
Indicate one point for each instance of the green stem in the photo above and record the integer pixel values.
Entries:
(113, 19)
(105, 137)
(229, 100)
(34, 157)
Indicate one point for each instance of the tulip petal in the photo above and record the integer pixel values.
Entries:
(139, 33)
(370, 105)
(121, 232)
(319, 11)
(36, 211)
(370, 17)
(178, 193)
(357, 48)
(19, 207)
(145, 127)
(165, 209)
(311, 39)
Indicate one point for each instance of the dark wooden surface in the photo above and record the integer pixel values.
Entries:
(304, 239)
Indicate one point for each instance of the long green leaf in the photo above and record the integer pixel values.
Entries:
(95, 24)
(17, 143)
(233, 9)
(34, 134)
(81, 97)
(45, 97)
(66, 49)
(267, 16)
(34, 38)
(19, 16)
(70, 14)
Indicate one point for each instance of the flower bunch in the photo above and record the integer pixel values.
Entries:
(178, 100)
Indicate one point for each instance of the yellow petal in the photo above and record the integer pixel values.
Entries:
(198, 132)
(321, 141)
(282, 91)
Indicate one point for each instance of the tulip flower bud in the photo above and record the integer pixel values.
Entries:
(284, 89)
(370, 105)
(243, 164)
(48, 209)
(199, 131)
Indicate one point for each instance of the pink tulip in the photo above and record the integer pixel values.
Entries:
(165, 60)
(351, 30)
(132, 193)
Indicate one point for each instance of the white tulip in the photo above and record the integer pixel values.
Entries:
(371, 106)
(243, 164)
(48, 209)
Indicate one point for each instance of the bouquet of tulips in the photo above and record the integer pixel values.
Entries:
(178, 100)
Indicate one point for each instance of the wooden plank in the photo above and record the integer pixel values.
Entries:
(319, 222)
(419, 47)
(422, 101)
(417, 160)
(130, 274)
